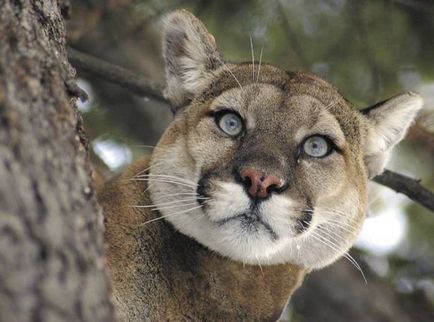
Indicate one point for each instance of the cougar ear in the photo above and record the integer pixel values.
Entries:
(388, 123)
(190, 55)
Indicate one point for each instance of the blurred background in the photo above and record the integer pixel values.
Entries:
(370, 50)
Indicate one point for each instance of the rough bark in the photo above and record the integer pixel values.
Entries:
(51, 263)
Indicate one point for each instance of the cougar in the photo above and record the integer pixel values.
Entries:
(260, 178)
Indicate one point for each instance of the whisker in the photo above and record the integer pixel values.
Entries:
(336, 213)
(253, 58)
(354, 262)
(150, 185)
(181, 191)
(169, 177)
(325, 241)
(332, 210)
(260, 61)
(350, 228)
(349, 222)
(174, 206)
(335, 236)
(332, 234)
(333, 246)
(147, 169)
(259, 264)
(152, 180)
(331, 105)
(163, 204)
(230, 72)
(349, 225)
(192, 194)
(169, 215)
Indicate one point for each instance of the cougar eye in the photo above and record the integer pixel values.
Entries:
(230, 123)
(316, 146)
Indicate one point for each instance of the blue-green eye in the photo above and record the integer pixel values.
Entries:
(316, 146)
(230, 123)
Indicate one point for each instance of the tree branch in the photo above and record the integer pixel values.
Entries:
(407, 186)
(128, 80)
(115, 74)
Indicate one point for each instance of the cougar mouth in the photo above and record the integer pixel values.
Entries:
(234, 207)
(250, 222)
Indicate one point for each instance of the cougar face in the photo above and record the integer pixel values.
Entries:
(262, 165)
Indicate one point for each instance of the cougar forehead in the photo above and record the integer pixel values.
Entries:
(278, 113)
(282, 85)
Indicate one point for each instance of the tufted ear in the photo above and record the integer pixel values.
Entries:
(190, 55)
(388, 123)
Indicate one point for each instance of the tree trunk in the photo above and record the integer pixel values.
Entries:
(51, 262)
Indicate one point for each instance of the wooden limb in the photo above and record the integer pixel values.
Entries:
(115, 74)
(408, 186)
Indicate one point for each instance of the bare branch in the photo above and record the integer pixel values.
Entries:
(408, 186)
(115, 74)
(402, 184)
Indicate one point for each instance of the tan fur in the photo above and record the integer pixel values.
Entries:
(231, 257)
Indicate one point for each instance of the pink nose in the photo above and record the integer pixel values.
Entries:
(259, 185)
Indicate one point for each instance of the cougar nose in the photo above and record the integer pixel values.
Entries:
(259, 185)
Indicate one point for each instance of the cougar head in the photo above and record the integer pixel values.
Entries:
(263, 165)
